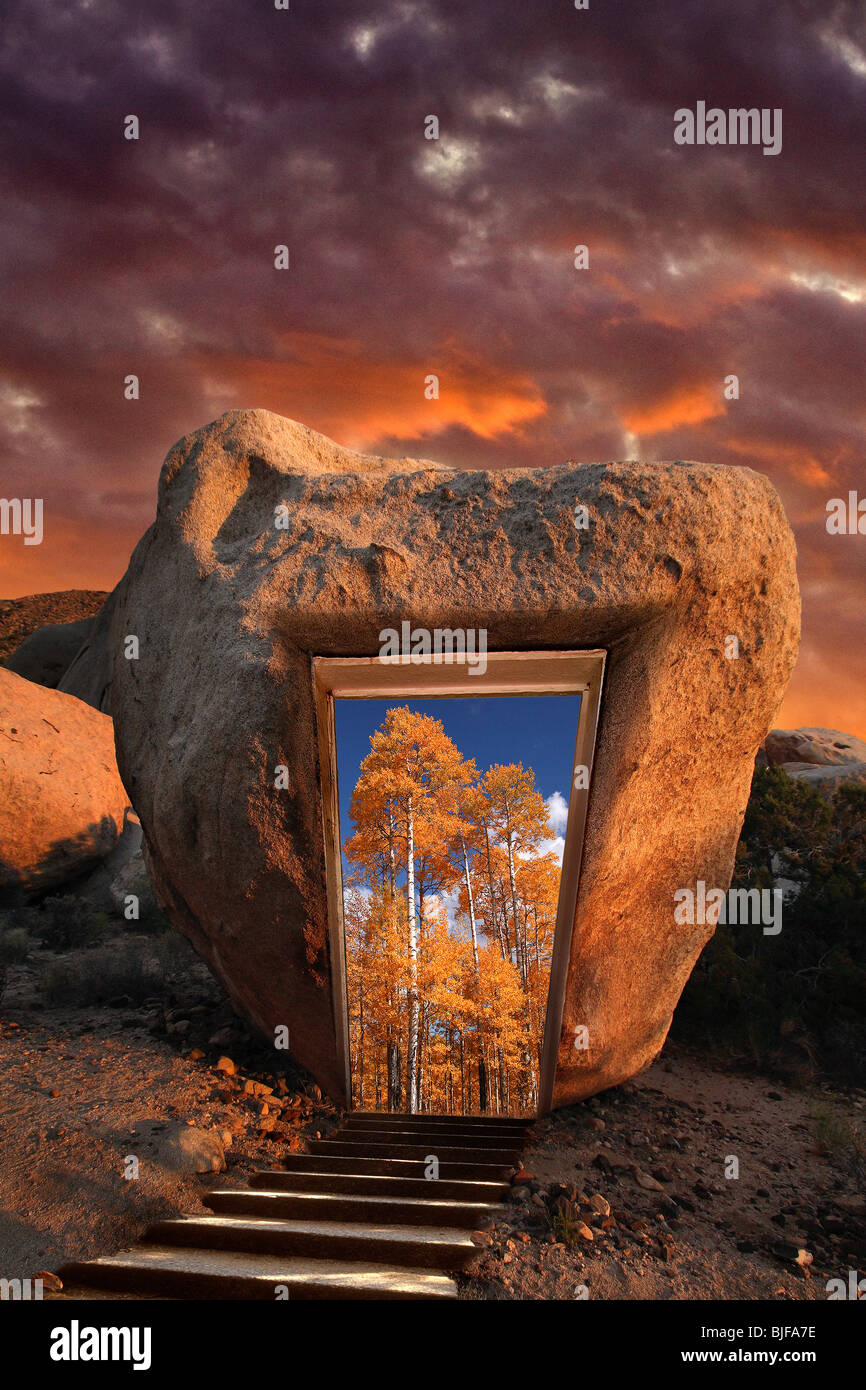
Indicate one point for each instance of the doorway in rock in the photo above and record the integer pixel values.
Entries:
(454, 814)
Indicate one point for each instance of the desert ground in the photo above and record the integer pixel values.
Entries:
(622, 1197)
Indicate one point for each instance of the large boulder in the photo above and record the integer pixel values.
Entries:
(62, 804)
(228, 608)
(815, 747)
(46, 655)
(827, 779)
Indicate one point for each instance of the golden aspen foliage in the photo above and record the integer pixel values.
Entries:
(446, 1015)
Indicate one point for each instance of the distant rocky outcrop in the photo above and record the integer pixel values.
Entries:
(272, 545)
(826, 758)
(21, 616)
(46, 655)
(62, 805)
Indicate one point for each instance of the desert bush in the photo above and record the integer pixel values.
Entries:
(564, 1220)
(15, 946)
(63, 923)
(795, 1003)
(18, 917)
(469, 1289)
(840, 1141)
(175, 957)
(103, 974)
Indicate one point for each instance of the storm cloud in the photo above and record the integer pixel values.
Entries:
(305, 127)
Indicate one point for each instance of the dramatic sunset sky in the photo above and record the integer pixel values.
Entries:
(408, 256)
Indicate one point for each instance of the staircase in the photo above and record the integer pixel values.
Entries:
(353, 1218)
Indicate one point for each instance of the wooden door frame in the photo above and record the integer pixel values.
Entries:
(507, 673)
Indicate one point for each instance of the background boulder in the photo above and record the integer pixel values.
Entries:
(122, 871)
(820, 747)
(63, 803)
(46, 655)
(826, 758)
(88, 676)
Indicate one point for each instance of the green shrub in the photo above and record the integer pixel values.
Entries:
(794, 1003)
(19, 918)
(174, 955)
(564, 1219)
(15, 945)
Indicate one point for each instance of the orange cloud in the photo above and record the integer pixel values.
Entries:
(74, 554)
(798, 463)
(840, 249)
(334, 387)
(685, 405)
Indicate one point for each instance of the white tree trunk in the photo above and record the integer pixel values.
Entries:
(412, 1058)
(471, 905)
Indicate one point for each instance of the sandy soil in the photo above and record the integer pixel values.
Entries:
(691, 1233)
(77, 1084)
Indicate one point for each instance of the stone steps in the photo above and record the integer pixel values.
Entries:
(461, 1139)
(394, 1167)
(370, 1184)
(353, 1218)
(434, 1247)
(398, 1210)
(446, 1153)
(170, 1271)
(391, 1119)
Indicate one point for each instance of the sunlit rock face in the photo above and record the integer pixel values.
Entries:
(62, 803)
(272, 544)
